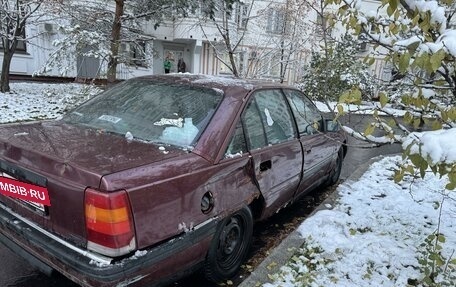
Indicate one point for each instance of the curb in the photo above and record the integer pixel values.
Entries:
(285, 250)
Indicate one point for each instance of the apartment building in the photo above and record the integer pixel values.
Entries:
(269, 39)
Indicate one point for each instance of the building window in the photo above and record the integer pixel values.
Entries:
(276, 21)
(242, 15)
(224, 62)
(138, 54)
(21, 47)
(217, 9)
(270, 65)
(242, 63)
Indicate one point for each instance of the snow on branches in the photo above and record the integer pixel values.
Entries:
(416, 40)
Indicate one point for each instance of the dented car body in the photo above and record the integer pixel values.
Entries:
(162, 174)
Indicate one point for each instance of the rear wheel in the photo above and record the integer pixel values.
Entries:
(230, 246)
(335, 173)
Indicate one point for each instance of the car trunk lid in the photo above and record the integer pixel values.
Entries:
(66, 159)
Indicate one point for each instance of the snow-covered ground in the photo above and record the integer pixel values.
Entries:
(35, 101)
(376, 234)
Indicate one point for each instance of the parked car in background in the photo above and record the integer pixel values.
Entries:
(159, 175)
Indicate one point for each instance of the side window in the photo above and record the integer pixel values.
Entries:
(307, 115)
(237, 144)
(275, 115)
(254, 128)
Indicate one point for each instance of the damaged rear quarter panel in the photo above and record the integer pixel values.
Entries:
(166, 197)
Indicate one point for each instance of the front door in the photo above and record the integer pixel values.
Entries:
(318, 149)
(173, 56)
(274, 147)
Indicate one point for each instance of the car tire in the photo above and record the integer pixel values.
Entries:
(335, 172)
(230, 246)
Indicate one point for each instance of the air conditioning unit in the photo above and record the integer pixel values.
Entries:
(49, 28)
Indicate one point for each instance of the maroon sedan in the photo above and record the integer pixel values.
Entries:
(159, 175)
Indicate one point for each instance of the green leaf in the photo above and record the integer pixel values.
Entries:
(344, 8)
(389, 11)
(452, 114)
(428, 281)
(423, 170)
(416, 123)
(408, 118)
(436, 60)
(412, 47)
(433, 256)
(371, 61)
(420, 163)
(439, 262)
(383, 99)
(451, 186)
(415, 19)
(436, 125)
(404, 62)
(393, 4)
(398, 176)
(441, 238)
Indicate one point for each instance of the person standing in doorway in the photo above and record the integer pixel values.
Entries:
(181, 66)
(167, 65)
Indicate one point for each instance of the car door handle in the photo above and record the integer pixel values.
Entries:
(265, 165)
(308, 150)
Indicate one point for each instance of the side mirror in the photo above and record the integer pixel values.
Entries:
(331, 125)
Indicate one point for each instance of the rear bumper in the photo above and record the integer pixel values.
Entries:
(154, 265)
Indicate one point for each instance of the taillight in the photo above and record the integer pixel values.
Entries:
(109, 222)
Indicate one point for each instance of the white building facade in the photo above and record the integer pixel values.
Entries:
(270, 39)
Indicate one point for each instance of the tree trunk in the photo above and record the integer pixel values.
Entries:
(115, 39)
(8, 53)
(5, 76)
(233, 64)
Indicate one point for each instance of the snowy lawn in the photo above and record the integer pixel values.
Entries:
(37, 101)
(379, 234)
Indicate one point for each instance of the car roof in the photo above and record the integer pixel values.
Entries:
(228, 84)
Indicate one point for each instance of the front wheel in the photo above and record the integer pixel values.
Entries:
(230, 246)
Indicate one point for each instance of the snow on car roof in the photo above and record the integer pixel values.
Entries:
(215, 81)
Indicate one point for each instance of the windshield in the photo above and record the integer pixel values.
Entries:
(149, 111)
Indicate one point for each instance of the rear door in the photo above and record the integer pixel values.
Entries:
(274, 147)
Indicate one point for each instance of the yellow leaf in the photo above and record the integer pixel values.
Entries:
(340, 109)
(369, 130)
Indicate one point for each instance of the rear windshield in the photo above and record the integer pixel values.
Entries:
(153, 112)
